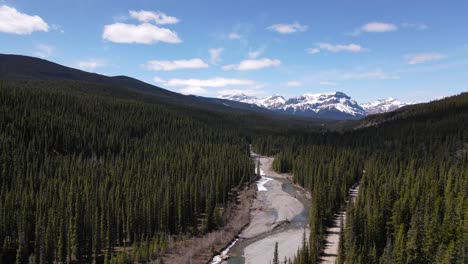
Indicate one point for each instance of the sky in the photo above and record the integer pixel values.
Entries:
(410, 50)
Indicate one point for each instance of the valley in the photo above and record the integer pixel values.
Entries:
(278, 214)
(233, 132)
(102, 173)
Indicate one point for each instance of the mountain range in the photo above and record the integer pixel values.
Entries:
(333, 105)
(330, 106)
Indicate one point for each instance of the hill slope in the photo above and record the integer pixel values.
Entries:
(17, 67)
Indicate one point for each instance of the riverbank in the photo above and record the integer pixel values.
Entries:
(200, 249)
(279, 213)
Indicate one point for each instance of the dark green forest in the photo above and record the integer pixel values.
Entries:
(83, 174)
(89, 170)
(413, 173)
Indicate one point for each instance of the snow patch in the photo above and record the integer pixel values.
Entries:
(219, 258)
(261, 183)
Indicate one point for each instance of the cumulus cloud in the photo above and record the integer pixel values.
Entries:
(293, 83)
(215, 82)
(156, 16)
(423, 57)
(202, 86)
(375, 27)
(43, 51)
(288, 28)
(14, 22)
(215, 55)
(161, 65)
(256, 64)
(90, 64)
(193, 90)
(144, 34)
(234, 35)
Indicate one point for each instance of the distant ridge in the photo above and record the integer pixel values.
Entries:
(332, 105)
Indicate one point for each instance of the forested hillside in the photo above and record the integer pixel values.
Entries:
(89, 171)
(84, 174)
(412, 169)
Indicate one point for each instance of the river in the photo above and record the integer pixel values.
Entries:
(278, 214)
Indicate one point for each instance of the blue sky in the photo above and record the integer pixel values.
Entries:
(410, 50)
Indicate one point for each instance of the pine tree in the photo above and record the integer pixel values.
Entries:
(275, 254)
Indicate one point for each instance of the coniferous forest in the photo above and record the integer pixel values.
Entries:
(88, 170)
(412, 170)
(83, 174)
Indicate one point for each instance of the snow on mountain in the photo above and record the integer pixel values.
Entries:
(382, 106)
(333, 105)
(273, 102)
(336, 105)
(240, 97)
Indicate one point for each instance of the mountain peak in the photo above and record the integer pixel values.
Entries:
(334, 105)
(383, 105)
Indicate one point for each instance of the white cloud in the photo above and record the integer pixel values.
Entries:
(327, 83)
(215, 82)
(375, 27)
(288, 28)
(193, 90)
(256, 64)
(378, 27)
(144, 34)
(156, 16)
(313, 50)
(201, 86)
(423, 57)
(293, 83)
(43, 51)
(338, 48)
(234, 35)
(215, 55)
(14, 22)
(90, 64)
(159, 65)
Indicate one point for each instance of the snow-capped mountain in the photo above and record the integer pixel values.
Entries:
(336, 105)
(382, 106)
(271, 102)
